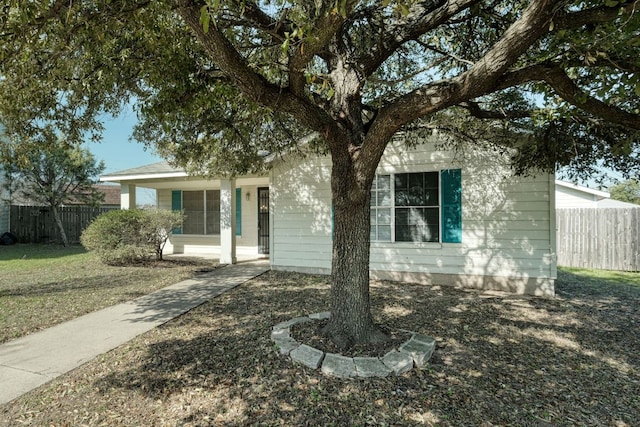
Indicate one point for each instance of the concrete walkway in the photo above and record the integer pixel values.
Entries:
(35, 359)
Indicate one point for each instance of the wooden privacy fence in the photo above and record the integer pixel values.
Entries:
(607, 239)
(35, 224)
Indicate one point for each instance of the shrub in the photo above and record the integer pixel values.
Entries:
(157, 227)
(132, 235)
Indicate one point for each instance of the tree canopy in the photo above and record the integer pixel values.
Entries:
(236, 77)
(217, 82)
(626, 191)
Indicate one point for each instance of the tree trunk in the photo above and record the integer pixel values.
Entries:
(351, 321)
(56, 217)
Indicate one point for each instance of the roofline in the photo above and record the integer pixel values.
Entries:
(599, 193)
(139, 176)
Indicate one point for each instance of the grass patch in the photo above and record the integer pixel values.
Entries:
(43, 285)
(581, 282)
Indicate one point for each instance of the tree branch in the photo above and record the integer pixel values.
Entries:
(255, 87)
(597, 15)
(483, 75)
(254, 14)
(476, 111)
(560, 82)
(479, 80)
(323, 31)
(570, 92)
(422, 17)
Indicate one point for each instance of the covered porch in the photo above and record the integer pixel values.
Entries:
(225, 218)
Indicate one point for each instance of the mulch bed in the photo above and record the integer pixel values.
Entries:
(310, 333)
(500, 360)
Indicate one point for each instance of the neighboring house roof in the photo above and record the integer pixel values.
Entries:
(570, 195)
(611, 203)
(598, 194)
(111, 197)
(111, 194)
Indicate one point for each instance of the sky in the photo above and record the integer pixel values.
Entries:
(119, 153)
(116, 149)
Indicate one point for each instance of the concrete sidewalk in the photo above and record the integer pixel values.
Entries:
(35, 359)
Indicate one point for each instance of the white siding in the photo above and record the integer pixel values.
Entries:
(301, 214)
(572, 198)
(508, 229)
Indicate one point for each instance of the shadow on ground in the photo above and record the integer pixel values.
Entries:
(501, 359)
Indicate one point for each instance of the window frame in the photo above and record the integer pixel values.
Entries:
(205, 212)
(374, 238)
(426, 204)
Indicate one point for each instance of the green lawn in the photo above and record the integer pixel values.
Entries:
(42, 285)
(594, 282)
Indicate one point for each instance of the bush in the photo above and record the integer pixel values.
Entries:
(157, 227)
(132, 235)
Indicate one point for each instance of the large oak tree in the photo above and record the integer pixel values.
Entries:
(214, 82)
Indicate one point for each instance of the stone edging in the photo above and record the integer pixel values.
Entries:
(417, 350)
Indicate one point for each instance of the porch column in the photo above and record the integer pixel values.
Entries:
(228, 221)
(127, 196)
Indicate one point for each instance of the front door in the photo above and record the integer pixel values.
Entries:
(263, 220)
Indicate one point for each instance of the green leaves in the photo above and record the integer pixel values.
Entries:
(51, 172)
(205, 18)
(65, 68)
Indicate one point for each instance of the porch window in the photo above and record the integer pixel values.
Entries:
(417, 207)
(202, 212)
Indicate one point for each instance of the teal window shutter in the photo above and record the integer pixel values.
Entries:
(451, 199)
(238, 211)
(176, 205)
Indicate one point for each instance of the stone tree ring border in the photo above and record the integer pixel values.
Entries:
(417, 350)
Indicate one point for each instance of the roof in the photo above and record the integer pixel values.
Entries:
(111, 197)
(598, 199)
(611, 203)
(165, 170)
(111, 194)
(154, 170)
(597, 193)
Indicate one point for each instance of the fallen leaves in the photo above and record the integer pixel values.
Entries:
(500, 360)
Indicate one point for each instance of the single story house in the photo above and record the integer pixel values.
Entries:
(570, 195)
(436, 217)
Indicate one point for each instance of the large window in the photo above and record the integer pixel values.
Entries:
(417, 211)
(417, 207)
(202, 212)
